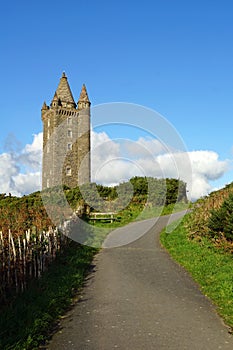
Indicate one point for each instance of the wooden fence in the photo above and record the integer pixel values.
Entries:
(25, 257)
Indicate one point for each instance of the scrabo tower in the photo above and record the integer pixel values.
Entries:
(66, 138)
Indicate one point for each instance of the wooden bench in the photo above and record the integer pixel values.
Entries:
(103, 216)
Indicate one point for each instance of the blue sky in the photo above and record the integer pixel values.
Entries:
(175, 57)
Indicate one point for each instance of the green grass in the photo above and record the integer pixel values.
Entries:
(26, 322)
(139, 212)
(210, 267)
(130, 214)
(149, 213)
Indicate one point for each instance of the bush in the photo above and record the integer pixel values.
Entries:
(221, 220)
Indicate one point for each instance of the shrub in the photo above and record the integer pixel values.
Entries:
(221, 220)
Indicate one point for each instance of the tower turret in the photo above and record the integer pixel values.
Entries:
(44, 107)
(55, 101)
(44, 110)
(84, 135)
(83, 101)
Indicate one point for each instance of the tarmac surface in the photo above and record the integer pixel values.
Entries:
(138, 298)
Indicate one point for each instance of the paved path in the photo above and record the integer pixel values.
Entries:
(139, 299)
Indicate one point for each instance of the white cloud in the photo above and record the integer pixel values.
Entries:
(31, 155)
(104, 151)
(27, 183)
(115, 161)
(207, 164)
(20, 171)
(8, 169)
(111, 163)
(143, 146)
(206, 167)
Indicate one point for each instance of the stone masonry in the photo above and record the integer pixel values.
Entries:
(66, 138)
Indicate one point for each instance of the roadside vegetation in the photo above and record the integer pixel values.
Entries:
(203, 244)
(28, 318)
(149, 196)
(140, 198)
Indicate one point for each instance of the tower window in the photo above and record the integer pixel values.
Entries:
(47, 182)
(69, 121)
(69, 146)
(69, 133)
(48, 123)
(68, 171)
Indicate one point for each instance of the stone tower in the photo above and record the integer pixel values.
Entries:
(66, 138)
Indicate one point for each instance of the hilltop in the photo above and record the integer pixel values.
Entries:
(128, 198)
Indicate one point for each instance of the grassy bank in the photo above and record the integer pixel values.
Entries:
(136, 212)
(26, 322)
(210, 267)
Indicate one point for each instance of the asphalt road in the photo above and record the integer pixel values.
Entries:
(137, 298)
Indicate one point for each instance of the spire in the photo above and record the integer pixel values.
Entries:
(83, 101)
(64, 93)
(83, 95)
(44, 107)
(55, 101)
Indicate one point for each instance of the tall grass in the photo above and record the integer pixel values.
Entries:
(27, 320)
